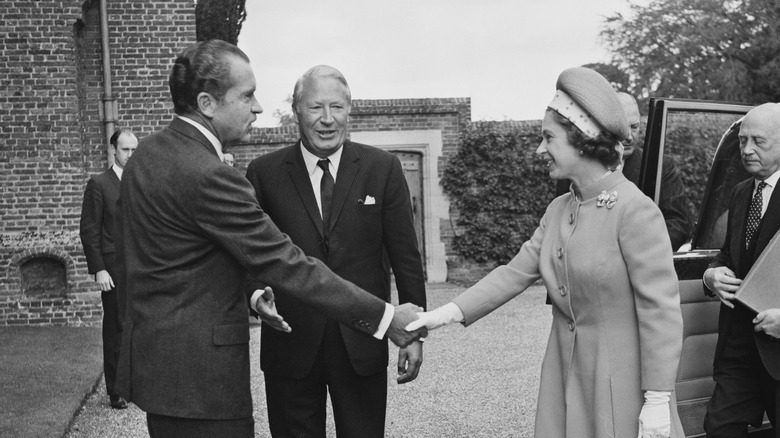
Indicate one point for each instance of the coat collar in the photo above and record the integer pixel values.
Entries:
(606, 183)
(185, 128)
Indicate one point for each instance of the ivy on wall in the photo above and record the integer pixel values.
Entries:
(499, 187)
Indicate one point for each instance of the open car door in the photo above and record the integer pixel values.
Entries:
(701, 138)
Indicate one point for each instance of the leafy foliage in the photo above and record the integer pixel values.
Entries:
(285, 117)
(700, 49)
(499, 188)
(219, 19)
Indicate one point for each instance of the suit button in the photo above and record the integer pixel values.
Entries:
(571, 218)
(571, 326)
(560, 252)
(562, 289)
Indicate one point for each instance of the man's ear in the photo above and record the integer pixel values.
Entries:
(207, 104)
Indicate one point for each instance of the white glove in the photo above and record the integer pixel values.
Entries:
(655, 419)
(447, 314)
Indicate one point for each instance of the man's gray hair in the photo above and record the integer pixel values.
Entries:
(319, 71)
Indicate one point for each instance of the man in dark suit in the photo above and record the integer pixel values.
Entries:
(746, 368)
(191, 229)
(348, 205)
(96, 232)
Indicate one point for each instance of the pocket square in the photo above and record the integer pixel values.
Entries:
(368, 201)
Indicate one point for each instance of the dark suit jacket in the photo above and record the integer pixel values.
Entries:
(362, 239)
(96, 228)
(191, 227)
(673, 203)
(734, 256)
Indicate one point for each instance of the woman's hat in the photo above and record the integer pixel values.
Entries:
(585, 97)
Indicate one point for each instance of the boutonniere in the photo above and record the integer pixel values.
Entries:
(608, 199)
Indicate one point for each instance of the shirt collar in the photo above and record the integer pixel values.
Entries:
(771, 181)
(209, 135)
(117, 170)
(311, 159)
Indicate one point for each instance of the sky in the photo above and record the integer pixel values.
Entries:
(504, 54)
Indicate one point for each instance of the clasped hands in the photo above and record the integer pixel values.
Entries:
(397, 332)
(725, 283)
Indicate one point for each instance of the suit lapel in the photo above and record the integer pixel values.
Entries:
(738, 237)
(348, 169)
(769, 223)
(296, 168)
(113, 178)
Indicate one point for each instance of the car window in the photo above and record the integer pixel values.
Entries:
(693, 194)
(727, 171)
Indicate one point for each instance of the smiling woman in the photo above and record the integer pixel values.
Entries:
(603, 278)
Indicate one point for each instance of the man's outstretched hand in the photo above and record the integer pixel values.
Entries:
(265, 306)
(404, 314)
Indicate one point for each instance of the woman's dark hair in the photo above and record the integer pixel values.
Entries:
(202, 67)
(602, 148)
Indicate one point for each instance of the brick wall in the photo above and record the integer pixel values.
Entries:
(52, 131)
(52, 135)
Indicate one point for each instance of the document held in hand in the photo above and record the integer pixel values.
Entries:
(760, 290)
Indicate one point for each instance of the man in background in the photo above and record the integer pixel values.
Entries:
(747, 355)
(96, 230)
(348, 205)
(672, 200)
(191, 229)
(229, 159)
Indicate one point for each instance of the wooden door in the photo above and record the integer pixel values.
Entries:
(412, 166)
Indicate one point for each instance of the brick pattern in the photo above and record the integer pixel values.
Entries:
(52, 134)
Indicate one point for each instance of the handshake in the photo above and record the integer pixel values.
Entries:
(409, 322)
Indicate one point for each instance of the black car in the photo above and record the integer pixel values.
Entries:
(702, 140)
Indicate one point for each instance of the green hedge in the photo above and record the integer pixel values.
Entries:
(499, 187)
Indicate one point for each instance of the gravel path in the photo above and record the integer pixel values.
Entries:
(475, 382)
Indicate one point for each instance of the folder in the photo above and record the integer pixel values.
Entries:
(760, 290)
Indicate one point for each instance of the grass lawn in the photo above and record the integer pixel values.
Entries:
(46, 373)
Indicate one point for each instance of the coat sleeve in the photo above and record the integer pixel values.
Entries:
(724, 257)
(505, 282)
(400, 239)
(674, 204)
(230, 216)
(91, 225)
(647, 253)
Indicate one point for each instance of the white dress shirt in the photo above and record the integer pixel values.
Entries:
(315, 177)
(117, 170)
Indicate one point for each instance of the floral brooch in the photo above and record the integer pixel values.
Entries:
(606, 199)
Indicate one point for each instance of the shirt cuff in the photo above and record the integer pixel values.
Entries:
(708, 291)
(384, 324)
(255, 296)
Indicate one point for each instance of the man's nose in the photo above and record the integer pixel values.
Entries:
(256, 108)
(327, 115)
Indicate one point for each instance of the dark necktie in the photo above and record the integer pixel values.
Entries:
(326, 193)
(754, 214)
